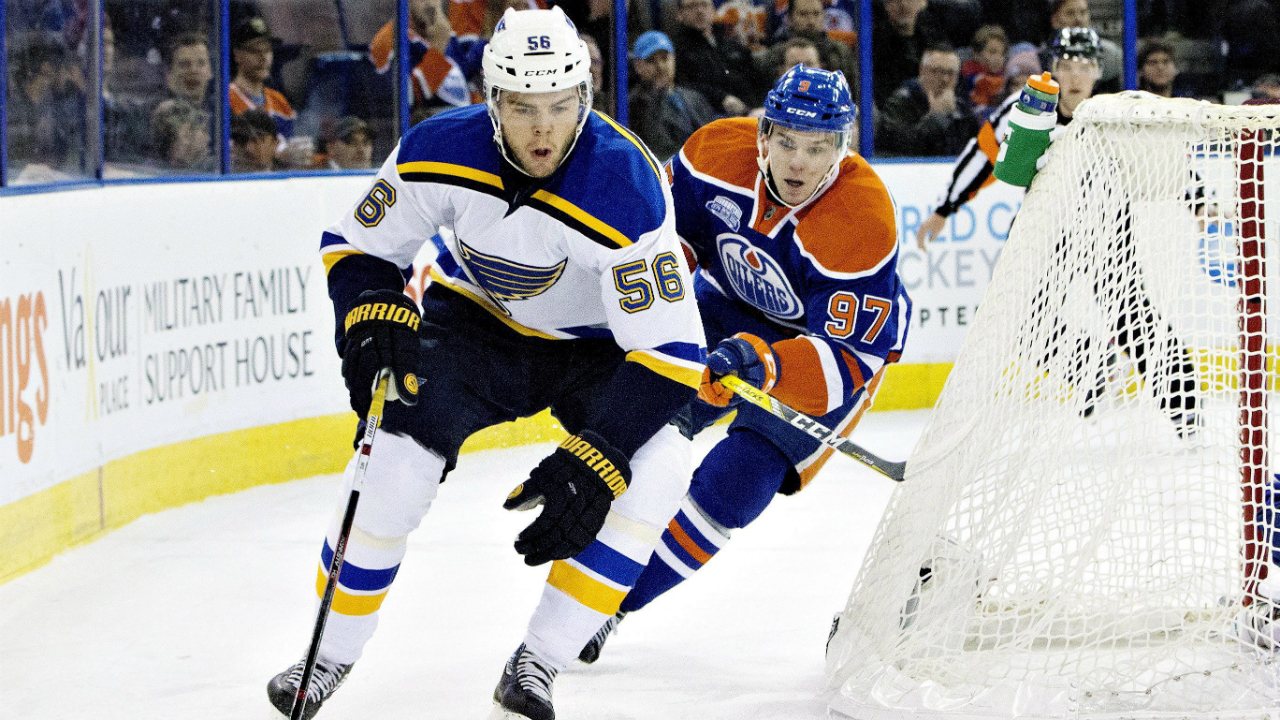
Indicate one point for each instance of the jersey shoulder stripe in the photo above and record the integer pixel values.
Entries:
(634, 140)
(851, 229)
(462, 137)
(451, 174)
(611, 188)
(724, 151)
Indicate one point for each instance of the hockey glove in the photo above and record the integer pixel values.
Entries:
(381, 331)
(744, 355)
(577, 484)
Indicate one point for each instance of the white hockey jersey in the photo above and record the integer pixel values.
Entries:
(590, 252)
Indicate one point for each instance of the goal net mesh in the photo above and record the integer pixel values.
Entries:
(1086, 519)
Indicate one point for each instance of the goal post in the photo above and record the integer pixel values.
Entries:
(1087, 518)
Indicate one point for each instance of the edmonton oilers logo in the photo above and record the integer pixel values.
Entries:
(757, 278)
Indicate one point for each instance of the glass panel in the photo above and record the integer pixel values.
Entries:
(49, 47)
(925, 104)
(159, 73)
(1182, 51)
(313, 84)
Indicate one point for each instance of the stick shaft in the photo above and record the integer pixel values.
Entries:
(813, 428)
(373, 420)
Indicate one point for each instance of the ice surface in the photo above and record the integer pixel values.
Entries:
(188, 613)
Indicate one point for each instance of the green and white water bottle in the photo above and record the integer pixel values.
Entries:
(1030, 123)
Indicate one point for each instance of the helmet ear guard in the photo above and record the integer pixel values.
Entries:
(535, 51)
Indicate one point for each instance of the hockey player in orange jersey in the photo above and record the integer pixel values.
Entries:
(795, 241)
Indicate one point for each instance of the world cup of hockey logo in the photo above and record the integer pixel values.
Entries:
(757, 278)
(727, 210)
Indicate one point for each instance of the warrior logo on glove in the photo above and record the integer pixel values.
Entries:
(577, 484)
(381, 331)
(393, 313)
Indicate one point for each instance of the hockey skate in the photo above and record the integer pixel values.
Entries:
(591, 651)
(326, 678)
(1258, 625)
(524, 692)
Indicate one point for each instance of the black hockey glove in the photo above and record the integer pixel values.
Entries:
(381, 331)
(577, 483)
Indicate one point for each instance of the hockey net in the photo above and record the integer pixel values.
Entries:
(1086, 520)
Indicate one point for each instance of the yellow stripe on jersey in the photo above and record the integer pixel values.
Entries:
(449, 283)
(583, 217)
(345, 603)
(679, 373)
(331, 258)
(627, 134)
(461, 171)
(585, 589)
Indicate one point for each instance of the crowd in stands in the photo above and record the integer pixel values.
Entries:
(324, 98)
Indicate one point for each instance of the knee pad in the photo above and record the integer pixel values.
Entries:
(400, 483)
(738, 478)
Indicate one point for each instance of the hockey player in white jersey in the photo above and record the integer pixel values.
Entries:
(560, 286)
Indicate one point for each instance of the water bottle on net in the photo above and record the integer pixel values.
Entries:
(1030, 123)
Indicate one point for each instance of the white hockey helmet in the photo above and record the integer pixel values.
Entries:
(535, 51)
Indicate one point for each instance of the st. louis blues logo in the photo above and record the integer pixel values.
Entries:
(757, 278)
(503, 279)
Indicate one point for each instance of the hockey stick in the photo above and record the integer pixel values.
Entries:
(372, 421)
(816, 430)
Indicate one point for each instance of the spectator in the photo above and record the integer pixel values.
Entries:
(1266, 87)
(663, 114)
(745, 21)
(188, 71)
(900, 32)
(1075, 13)
(1157, 70)
(251, 49)
(253, 142)
(926, 116)
(798, 51)
(807, 19)
(124, 119)
(711, 62)
(1024, 61)
(437, 80)
(352, 145)
(983, 72)
(46, 110)
(180, 136)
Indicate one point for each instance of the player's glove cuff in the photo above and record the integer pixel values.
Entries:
(745, 355)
